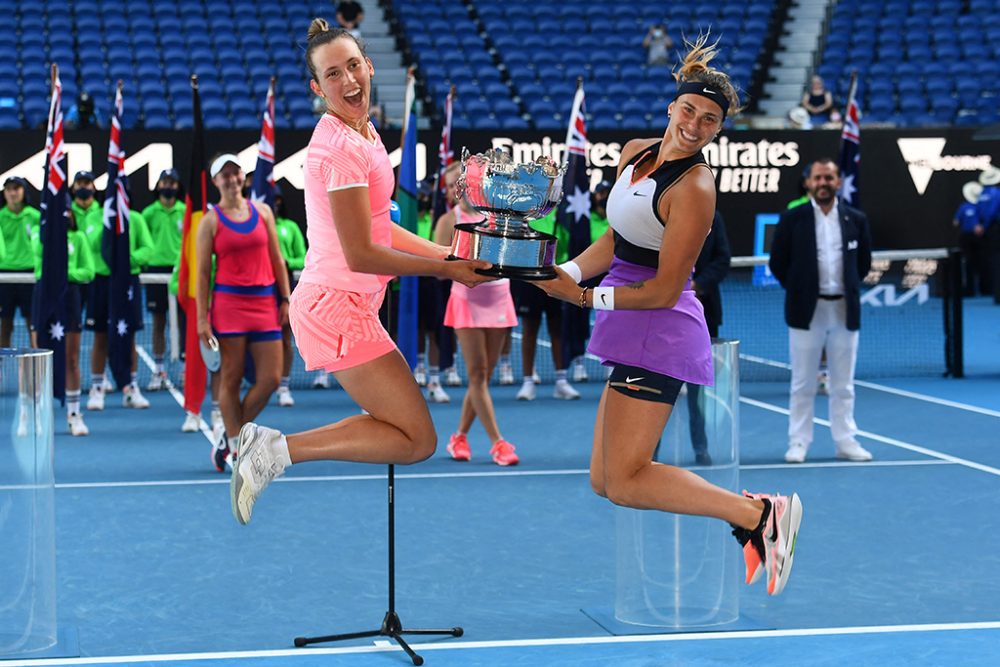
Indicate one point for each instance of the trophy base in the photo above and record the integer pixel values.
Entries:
(515, 272)
(520, 272)
(515, 252)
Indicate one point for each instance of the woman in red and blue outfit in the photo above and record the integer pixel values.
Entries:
(248, 304)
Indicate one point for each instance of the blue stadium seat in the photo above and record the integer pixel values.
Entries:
(514, 123)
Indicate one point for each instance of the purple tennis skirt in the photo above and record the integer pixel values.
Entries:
(672, 341)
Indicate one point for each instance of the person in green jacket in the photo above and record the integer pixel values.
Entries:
(80, 272)
(85, 207)
(293, 249)
(140, 247)
(165, 219)
(531, 303)
(17, 219)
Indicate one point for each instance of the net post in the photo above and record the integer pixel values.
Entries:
(954, 333)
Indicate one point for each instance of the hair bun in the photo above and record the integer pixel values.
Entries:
(317, 27)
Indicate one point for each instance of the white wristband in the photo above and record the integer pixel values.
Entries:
(573, 270)
(604, 298)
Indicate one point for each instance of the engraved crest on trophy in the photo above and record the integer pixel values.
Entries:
(510, 195)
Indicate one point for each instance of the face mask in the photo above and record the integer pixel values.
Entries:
(167, 193)
(83, 193)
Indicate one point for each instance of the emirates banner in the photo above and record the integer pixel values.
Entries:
(911, 180)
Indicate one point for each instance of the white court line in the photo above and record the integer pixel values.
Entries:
(461, 475)
(889, 441)
(205, 427)
(514, 643)
(889, 390)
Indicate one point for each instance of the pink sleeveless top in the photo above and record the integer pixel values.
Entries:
(241, 251)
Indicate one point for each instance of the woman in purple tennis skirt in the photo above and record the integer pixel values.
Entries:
(651, 329)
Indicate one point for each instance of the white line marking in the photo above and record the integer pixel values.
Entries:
(929, 399)
(461, 475)
(889, 441)
(205, 427)
(515, 643)
(889, 390)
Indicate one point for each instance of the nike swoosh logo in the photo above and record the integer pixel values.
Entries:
(630, 380)
(604, 299)
(639, 194)
(706, 90)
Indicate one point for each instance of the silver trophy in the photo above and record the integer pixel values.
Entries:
(510, 195)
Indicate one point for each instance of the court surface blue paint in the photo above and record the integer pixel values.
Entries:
(896, 564)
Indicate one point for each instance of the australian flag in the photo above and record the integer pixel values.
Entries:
(49, 314)
(115, 249)
(574, 216)
(262, 189)
(850, 148)
(445, 157)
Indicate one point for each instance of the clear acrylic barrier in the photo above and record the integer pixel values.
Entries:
(681, 572)
(27, 504)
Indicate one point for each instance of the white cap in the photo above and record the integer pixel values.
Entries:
(221, 162)
(971, 191)
(990, 176)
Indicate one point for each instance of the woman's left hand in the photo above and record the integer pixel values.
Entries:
(562, 287)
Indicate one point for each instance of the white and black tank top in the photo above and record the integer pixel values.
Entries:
(632, 207)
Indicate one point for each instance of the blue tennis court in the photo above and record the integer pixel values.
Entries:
(896, 563)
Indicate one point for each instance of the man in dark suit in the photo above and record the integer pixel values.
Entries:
(821, 253)
(710, 269)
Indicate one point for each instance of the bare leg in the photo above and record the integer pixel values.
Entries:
(288, 354)
(554, 326)
(72, 361)
(159, 337)
(99, 353)
(481, 350)
(529, 336)
(629, 433)
(232, 350)
(397, 428)
(267, 360)
(6, 331)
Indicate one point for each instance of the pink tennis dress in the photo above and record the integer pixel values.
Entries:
(333, 310)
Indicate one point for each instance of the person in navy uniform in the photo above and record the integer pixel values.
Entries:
(820, 254)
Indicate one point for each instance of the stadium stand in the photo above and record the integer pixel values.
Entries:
(918, 63)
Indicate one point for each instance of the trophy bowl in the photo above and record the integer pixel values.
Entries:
(509, 195)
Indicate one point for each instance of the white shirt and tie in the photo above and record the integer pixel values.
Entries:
(827, 329)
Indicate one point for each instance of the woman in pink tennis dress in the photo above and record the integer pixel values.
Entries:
(354, 250)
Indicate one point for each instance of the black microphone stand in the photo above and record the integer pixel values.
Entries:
(391, 627)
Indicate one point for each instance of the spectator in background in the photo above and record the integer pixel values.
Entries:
(350, 14)
(972, 241)
(482, 317)
(165, 219)
(81, 115)
(248, 305)
(98, 305)
(18, 222)
(657, 44)
(531, 304)
(710, 269)
(820, 254)
(293, 250)
(818, 101)
(80, 271)
(988, 208)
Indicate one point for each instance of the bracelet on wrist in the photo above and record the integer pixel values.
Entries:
(583, 297)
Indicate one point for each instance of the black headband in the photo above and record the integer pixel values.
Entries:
(706, 90)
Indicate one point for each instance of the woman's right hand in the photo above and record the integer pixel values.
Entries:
(205, 331)
(464, 271)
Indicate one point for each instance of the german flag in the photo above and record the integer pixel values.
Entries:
(195, 202)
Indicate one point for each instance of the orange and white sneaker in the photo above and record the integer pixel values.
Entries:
(771, 546)
(458, 447)
(503, 453)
